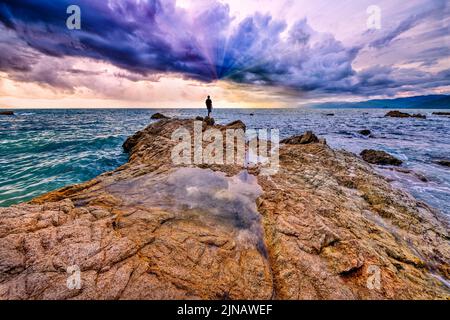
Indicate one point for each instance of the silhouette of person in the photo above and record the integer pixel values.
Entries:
(209, 105)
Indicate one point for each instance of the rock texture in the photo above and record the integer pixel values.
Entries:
(158, 116)
(209, 121)
(380, 157)
(307, 137)
(320, 228)
(398, 114)
(6, 113)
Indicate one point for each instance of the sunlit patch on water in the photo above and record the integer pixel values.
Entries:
(202, 194)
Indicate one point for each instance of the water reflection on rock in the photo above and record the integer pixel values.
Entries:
(205, 195)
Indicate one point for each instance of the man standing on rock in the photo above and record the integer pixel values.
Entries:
(209, 105)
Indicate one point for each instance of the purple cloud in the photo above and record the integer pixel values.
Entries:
(152, 36)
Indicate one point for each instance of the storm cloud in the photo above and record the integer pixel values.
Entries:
(150, 37)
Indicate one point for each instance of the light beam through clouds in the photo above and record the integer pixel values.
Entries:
(259, 53)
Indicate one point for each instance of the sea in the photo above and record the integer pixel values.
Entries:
(43, 150)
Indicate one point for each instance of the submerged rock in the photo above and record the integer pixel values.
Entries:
(441, 113)
(365, 132)
(380, 157)
(6, 113)
(320, 228)
(157, 116)
(445, 163)
(398, 114)
(307, 137)
(417, 175)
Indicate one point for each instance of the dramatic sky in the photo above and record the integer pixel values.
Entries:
(245, 53)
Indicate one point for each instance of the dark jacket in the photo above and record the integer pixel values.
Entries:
(208, 104)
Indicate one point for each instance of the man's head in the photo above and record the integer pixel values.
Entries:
(208, 97)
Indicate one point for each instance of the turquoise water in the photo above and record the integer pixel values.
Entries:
(43, 150)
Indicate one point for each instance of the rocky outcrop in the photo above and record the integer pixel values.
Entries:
(323, 227)
(398, 114)
(209, 121)
(158, 116)
(307, 137)
(6, 113)
(380, 157)
(238, 124)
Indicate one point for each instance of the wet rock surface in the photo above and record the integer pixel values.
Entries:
(209, 121)
(6, 113)
(158, 116)
(365, 132)
(445, 163)
(320, 228)
(380, 157)
(307, 137)
(398, 114)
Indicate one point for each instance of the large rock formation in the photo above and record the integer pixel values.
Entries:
(380, 157)
(158, 116)
(323, 227)
(398, 114)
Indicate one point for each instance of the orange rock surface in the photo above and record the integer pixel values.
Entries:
(320, 228)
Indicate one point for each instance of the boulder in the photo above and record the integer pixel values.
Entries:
(398, 114)
(158, 116)
(6, 113)
(209, 121)
(306, 138)
(365, 132)
(198, 118)
(379, 157)
(445, 163)
(238, 124)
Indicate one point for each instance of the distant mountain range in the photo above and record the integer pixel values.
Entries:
(417, 102)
